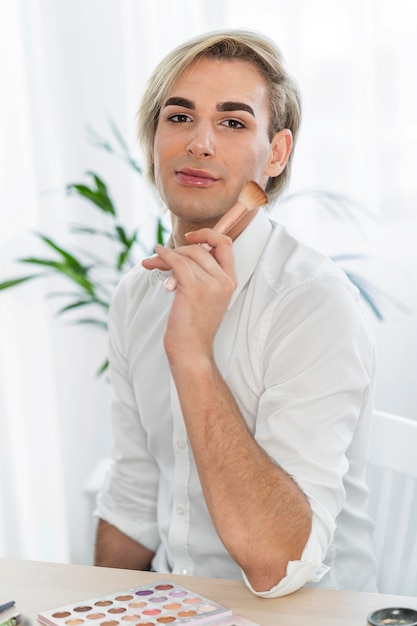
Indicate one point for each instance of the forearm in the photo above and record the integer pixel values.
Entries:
(261, 515)
(115, 549)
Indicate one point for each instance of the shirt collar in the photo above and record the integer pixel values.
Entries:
(248, 248)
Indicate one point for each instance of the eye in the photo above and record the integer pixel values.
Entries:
(179, 118)
(236, 124)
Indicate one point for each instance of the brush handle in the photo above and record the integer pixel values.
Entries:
(231, 218)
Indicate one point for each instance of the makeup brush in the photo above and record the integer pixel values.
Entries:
(251, 197)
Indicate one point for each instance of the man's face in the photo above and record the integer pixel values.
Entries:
(211, 138)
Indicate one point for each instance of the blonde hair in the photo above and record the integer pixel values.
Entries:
(243, 45)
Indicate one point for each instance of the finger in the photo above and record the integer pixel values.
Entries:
(207, 236)
(155, 262)
(171, 282)
(174, 260)
(220, 246)
(190, 263)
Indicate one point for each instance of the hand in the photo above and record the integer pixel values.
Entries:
(205, 282)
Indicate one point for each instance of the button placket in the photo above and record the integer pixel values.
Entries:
(180, 522)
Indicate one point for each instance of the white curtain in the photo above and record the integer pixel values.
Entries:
(73, 63)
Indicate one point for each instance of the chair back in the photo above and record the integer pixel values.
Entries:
(392, 480)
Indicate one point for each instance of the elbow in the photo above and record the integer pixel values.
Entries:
(265, 572)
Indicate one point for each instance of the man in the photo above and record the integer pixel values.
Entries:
(242, 389)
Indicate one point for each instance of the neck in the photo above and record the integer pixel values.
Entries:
(179, 228)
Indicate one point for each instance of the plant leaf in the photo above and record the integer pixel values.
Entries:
(97, 140)
(86, 230)
(74, 274)
(349, 257)
(366, 290)
(103, 368)
(69, 258)
(124, 256)
(160, 230)
(98, 196)
(127, 155)
(92, 322)
(122, 234)
(13, 282)
(63, 294)
(79, 303)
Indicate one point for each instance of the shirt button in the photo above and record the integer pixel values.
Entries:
(181, 444)
(184, 572)
(180, 510)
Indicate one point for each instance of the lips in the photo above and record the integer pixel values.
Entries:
(191, 177)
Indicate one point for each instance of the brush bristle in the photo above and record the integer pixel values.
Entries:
(252, 195)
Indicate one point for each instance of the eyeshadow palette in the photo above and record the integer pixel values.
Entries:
(156, 604)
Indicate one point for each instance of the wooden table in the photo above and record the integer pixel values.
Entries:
(39, 587)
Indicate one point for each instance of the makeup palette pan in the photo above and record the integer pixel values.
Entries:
(150, 605)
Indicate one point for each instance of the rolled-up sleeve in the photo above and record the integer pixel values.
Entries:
(317, 362)
(128, 498)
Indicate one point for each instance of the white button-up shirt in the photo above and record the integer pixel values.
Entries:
(296, 352)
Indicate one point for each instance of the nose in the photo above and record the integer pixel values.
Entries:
(201, 142)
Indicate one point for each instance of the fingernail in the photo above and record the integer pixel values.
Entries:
(170, 283)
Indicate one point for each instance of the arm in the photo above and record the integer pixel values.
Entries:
(127, 533)
(261, 531)
(115, 549)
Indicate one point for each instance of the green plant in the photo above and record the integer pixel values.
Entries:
(92, 278)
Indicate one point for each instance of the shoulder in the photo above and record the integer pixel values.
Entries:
(288, 264)
(308, 290)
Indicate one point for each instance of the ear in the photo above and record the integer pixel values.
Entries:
(281, 146)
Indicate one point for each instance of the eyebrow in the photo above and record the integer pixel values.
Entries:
(235, 106)
(221, 106)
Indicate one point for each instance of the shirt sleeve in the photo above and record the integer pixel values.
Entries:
(317, 363)
(125, 501)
